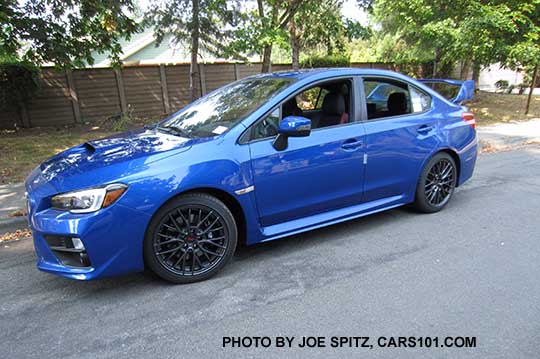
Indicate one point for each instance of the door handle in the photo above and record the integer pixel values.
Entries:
(351, 144)
(424, 129)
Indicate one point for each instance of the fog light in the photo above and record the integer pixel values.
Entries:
(77, 243)
(85, 261)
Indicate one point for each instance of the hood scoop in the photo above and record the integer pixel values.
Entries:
(89, 148)
(119, 148)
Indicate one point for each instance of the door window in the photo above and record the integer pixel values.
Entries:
(420, 101)
(311, 99)
(326, 104)
(386, 98)
(268, 126)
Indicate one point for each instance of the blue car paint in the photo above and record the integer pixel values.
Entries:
(291, 125)
(316, 181)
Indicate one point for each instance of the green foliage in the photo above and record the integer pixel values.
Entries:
(354, 30)
(264, 26)
(64, 32)
(524, 49)
(122, 122)
(501, 84)
(214, 17)
(482, 31)
(19, 83)
(418, 30)
(319, 27)
(320, 24)
(326, 61)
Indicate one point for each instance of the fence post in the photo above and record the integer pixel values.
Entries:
(73, 96)
(121, 90)
(236, 72)
(164, 89)
(202, 77)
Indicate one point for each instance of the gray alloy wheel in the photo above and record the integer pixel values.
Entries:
(190, 238)
(436, 184)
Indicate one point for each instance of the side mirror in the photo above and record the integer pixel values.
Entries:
(291, 126)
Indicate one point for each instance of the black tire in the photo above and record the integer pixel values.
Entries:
(179, 251)
(436, 184)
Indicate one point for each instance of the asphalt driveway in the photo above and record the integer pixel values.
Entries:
(471, 270)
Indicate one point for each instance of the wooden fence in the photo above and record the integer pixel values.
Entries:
(92, 95)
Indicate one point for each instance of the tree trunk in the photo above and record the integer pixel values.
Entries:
(476, 74)
(465, 69)
(329, 47)
(435, 62)
(267, 56)
(194, 75)
(533, 82)
(23, 113)
(295, 47)
(267, 50)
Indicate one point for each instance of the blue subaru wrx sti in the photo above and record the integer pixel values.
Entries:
(262, 158)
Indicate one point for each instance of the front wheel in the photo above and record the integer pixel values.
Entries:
(436, 184)
(190, 238)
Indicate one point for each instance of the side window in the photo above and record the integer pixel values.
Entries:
(268, 127)
(327, 104)
(420, 101)
(311, 99)
(386, 98)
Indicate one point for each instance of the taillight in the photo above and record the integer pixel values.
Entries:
(468, 117)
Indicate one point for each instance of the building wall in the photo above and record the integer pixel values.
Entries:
(494, 73)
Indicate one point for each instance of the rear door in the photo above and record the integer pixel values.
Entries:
(401, 132)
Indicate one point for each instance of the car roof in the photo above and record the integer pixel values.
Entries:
(328, 72)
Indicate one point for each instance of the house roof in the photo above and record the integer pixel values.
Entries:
(142, 48)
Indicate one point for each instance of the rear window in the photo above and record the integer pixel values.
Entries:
(449, 91)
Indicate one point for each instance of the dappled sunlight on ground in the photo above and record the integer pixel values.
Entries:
(490, 107)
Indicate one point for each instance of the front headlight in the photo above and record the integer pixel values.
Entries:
(88, 200)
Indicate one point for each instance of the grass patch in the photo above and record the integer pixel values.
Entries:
(490, 108)
(25, 149)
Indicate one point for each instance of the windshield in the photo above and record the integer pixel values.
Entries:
(222, 109)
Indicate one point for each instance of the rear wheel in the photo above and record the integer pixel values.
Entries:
(436, 184)
(190, 238)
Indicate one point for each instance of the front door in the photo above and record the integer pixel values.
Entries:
(314, 174)
(318, 173)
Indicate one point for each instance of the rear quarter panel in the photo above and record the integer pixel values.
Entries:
(459, 137)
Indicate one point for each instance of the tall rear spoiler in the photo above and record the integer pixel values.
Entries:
(464, 93)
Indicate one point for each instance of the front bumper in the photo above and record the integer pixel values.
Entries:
(112, 237)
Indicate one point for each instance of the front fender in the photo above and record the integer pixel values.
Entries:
(228, 171)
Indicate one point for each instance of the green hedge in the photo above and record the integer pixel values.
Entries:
(20, 82)
(326, 61)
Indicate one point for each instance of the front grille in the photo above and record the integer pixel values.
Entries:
(64, 250)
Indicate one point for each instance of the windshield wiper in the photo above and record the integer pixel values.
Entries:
(177, 131)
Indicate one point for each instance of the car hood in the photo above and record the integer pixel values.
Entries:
(103, 160)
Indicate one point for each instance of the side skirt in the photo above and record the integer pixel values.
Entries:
(332, 217)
